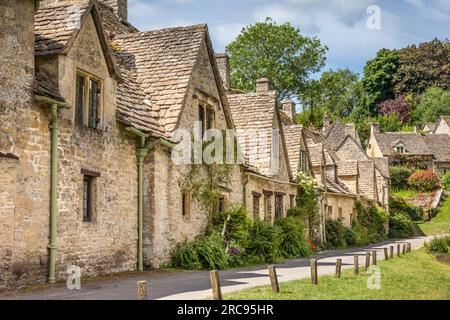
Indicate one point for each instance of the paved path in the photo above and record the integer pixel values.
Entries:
(195, 285)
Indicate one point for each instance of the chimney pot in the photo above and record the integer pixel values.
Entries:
(263, 85)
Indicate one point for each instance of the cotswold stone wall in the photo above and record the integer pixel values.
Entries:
(342, 208)
(165, 226)
(262, 186)
(108, 243)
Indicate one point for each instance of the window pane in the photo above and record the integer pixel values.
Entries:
(93, 103)
(201, 118)
(209, 119)
(79, 99)
(87, 198)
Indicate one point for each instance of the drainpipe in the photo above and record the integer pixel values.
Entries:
(141, 153)
(54, 126)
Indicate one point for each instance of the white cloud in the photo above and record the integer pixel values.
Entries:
(226, 33)
(140, 8)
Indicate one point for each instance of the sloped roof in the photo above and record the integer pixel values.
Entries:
(439, 145)
(432, 126)
(57, 26)
(337, 187)
(162, 62)
(347, 168)
(293, 136)
(413, 142)
(112, 25)
(254, 113)
(446, 119)
(45, 86)
(382, 164)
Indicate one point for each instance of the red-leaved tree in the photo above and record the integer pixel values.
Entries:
(398, 106)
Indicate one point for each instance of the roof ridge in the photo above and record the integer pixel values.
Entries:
(202, 27)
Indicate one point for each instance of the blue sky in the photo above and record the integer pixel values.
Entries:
(339, 24)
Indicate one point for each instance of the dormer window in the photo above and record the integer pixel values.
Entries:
(88, 98)
(303, 161)
(400, 148)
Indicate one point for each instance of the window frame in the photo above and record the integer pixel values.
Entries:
(207, 123)
(186, 205)
(279, 205)
(87, 208)
(256, 205)
(87, 99)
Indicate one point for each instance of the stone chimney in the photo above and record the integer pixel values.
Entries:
(120, 8)
(289, 108)
(326, 122)
(375, 128)
(350, 129)
(263, 85)
(223, 63)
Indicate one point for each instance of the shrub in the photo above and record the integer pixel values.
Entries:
(350, 236)
(425, 180)
(263, 243)
(335, 230)
(292, 242)
(206, 252)
(445, 181)
(236, 223)
(400, 226)
(439, 245)
(398, 205)
(399, 177)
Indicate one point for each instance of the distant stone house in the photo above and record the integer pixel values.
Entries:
(269, 182)
(432, 148)
(442, 126)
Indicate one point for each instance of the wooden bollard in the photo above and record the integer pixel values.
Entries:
(404, 249)
(374, 258)
(356, 259)
(314, 271)
(274, 279)
(338, 268)
(367, 261)
(386, 254)
(142, 290)
(398, 250)
(215, 285)
(391, 255)
(409, 247)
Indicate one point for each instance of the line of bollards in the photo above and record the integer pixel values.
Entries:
(217, 291)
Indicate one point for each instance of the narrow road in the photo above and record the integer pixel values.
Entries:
(195, 285)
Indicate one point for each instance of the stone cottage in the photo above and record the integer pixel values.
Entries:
(88, 108)
(431, 148)
(442, 126)
(269, 188)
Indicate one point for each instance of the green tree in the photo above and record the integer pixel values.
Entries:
(377, 84)
(435, 102)
(339, 92)
(422, 66)
(390, 123)
(278, 52)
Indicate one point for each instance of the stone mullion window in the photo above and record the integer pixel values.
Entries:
(88, 100)
(256, 206)
(279, 205)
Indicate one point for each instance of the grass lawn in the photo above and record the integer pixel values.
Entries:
(405, 193)
(417, 275)
(440, 223)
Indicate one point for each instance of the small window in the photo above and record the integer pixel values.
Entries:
(79, 99)
(278, 206)
(88, 101)
(400, 149)
(185, 204)
(340, 213)
(201, 118)
(94, 94)
(221, 204)
(267, 209)
(87, 198)
(207, 118)
(256, 200)
(330, 212)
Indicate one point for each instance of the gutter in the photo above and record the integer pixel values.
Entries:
(54, 126)
(141, 153)
(270, 179)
